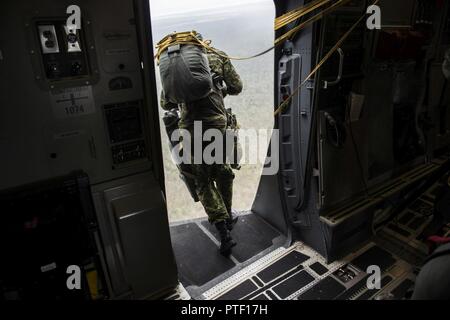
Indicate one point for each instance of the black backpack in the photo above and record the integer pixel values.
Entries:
(185, 73)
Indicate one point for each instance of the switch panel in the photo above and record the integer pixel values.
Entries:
(128, 152)
(126, 133)
(63, 54)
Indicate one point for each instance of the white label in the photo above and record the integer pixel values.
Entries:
(72, 102)
(69, 134)
(111, 52)
(48, 267)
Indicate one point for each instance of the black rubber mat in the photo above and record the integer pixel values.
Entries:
(327, 289)
(437, 190)
(370, 293)
(261, 297)
(399, 293)
(374, 256)
(257, 281)
(318, 268)
(271, 295)
(427, 197)
(198, 258)
(293, 284)
(281, 266)
(406, 218)
(399, 230)
(275, 282)
(252, 235)
(417, 223)
(240, 291)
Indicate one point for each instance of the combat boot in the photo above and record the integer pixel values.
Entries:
(232, 220)
(226, 242)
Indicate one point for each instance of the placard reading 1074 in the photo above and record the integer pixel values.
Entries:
(72, 102)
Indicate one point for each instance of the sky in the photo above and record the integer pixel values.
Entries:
(240, 28)
(161, 8)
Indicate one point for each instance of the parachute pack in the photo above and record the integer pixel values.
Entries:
(184, 68)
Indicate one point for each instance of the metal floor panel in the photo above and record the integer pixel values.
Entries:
(196, 248)
(252, 234)
(191, 247)
(327, 289)
(292, 284)
(302, 281)
(280, 267)
(179, 293)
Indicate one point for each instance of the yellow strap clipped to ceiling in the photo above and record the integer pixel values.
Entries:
(311, 20)
(192, 37)
(295, 14)
(338, 44)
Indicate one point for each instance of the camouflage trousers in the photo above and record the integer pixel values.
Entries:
(214, 187)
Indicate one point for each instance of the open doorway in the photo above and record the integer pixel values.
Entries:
(239, 28)
(242, 29)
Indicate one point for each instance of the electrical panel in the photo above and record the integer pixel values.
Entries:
(126, 135)
(61, 56)
(62, 51)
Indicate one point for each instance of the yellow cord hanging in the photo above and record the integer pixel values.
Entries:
(295, 14)
(286, 101)
(192, 37)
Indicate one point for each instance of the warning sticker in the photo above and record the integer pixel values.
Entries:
(72, 102)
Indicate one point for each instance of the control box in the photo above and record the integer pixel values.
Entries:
(61, 56)
(126, 134)
(63, 51)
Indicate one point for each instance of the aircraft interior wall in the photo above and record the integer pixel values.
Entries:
(78, 103)
(377, 101)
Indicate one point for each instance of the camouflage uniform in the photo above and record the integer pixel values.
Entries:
(214, 182)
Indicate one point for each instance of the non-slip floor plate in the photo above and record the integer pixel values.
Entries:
(240, 291)
(401, 290)
(301, 273)
(293, 284)
(198, 258)
(374, 256)
(252, 234)
(371, 292)
(318, 268)
(281, 266)
(327, 289)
